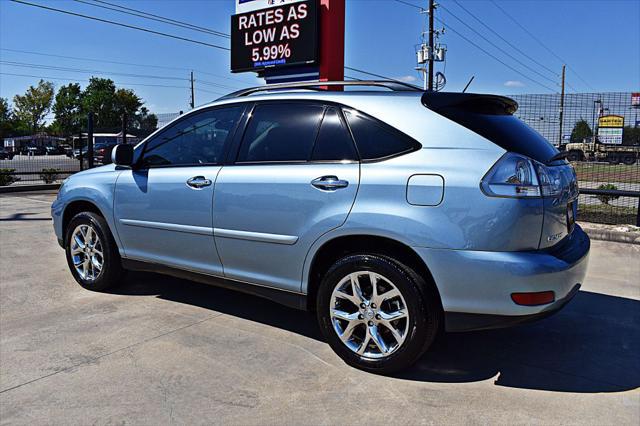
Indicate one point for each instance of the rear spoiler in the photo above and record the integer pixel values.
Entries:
(441, 102)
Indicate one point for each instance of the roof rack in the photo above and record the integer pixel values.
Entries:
(396, 86)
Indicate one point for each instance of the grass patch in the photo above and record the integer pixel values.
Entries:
(600, 172)
(601, 213)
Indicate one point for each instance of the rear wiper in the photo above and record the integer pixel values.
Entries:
(558, 156)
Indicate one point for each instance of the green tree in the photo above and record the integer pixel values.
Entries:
(127, 102)
(145, 122)
(33, 106)
(631, 136)
(580, 131)
(99, 97)
(5, 119)
(68, 110)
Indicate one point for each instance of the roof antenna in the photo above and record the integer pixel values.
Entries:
(467, 86)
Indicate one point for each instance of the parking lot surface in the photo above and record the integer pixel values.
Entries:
(158, 350)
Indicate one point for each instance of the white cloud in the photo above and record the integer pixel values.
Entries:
(513, 83)
(407, 78)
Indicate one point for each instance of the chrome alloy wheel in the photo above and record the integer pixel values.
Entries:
(86, 252)
(369, 314)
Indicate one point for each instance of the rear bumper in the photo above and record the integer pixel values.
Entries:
(476, 286)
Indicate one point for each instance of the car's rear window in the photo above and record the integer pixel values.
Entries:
(491, 117)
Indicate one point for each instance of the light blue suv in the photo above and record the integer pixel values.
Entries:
(391, 214)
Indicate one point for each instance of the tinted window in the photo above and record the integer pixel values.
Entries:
(377, 140)
(334, 141)
(280, 132)
(196, 139)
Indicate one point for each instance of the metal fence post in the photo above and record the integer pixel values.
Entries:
(124, 129)
(90, 139)
(80, 156)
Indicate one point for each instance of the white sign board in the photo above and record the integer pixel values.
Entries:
(610, 135)
(243, 6)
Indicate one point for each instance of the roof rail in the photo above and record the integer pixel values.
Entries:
(394, 85)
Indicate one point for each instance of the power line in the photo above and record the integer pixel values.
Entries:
(88, 71)
(370, 73)
(120, 63)
(516, 48)
(541, 43)
(121, 24)
(498, 47)
(152, 17)
(86, 81)
(450, 28)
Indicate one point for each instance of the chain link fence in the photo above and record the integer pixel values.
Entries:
(609, 175)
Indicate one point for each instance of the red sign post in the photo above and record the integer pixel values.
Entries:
(332, 40)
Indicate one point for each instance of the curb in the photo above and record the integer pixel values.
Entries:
(607, 233)
(26, 188)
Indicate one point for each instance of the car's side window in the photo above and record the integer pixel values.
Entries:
(196, 139)
(334, 141)
(376, 140)
(280, 132)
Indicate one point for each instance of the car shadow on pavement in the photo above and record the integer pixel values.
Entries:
(591, 346)
(22, 216)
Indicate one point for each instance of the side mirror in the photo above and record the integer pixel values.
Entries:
(122, 155)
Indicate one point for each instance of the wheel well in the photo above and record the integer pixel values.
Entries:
(76, 207)
(339, 247)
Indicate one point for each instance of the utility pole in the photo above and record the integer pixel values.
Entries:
(561, 107)
(431, 11)
(193, 99)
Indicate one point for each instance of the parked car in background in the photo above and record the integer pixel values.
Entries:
(76, 153)
(54, 150)
(6, 154)
(100, 150)
(391, 215)
(36, 150)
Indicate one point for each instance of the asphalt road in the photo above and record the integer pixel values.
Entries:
(158, 350)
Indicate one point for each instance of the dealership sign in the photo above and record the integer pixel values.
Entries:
(610, 128)
(277, 36)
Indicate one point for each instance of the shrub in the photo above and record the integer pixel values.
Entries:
(605, 199)
(50, 175)
(7, 177)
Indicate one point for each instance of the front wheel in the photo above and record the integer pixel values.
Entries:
(376, 313)
(92, 254)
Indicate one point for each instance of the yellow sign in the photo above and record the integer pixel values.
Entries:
(611, 121)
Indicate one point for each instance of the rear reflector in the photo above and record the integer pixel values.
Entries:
(533, 299)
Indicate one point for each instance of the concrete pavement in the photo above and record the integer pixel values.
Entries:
(158, 350)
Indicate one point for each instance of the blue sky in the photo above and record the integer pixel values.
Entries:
(600, 40)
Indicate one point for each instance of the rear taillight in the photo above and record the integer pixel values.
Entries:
(518, 176)
(512, 176)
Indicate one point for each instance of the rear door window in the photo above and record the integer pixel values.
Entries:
(280, 132)
(334, 142)
(376, 140)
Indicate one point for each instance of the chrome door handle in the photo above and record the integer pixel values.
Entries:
(199, 182)
(329, 183)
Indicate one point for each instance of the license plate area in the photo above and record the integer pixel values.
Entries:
(571, 217)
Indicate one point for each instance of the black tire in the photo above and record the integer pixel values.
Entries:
(111, 272)
(574, 156)
(629, 160)
(422, 303)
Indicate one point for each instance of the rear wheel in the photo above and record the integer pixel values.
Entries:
(92, 254)
(629, 160)
(574, 156)
(376, 313)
